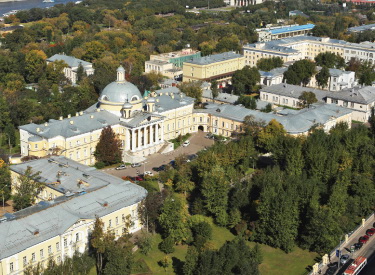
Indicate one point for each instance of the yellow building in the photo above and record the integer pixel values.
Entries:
(302, 47)
(218, 67)
(60, 226)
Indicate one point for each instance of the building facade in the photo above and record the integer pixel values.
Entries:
(57, 228)
(307, 47)
(73, 63)
(218, 67)
(244, 3)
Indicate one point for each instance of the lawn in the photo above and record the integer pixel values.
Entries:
(275, 261)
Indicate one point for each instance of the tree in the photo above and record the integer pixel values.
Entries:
(119, 257)
(98, 244)
(35, 65)
(322, 77)
(366, 74)
(247, 101)
(268, 135)
(307, 98)
(245, 80)
(80, 73)
(214, 89)
(330, 60)
(5, 181)
(191, 260)
(165, 263)
(267, 64)
(300, 72)
(93, 50)
(150, 209)
(108, 148)
(193, 90)
(27, 189)
(55, 71)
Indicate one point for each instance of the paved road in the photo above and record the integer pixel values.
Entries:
(197, 143)
(366, 250)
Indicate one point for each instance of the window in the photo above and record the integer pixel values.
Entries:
(116, 220)
(77, 154)
(70, 144)
(36, 147)
(77, 237)
(11, 267)
(59, 259)
(123, 217)
(110, 223)
(49, 249)
(65, 242)
(352, 104)
(41, 253)
(57, 246)
(24, 261)
(33, 257)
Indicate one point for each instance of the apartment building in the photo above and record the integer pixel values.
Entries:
(218, 67)
(275, 33)
(302, 47)
(57, 228)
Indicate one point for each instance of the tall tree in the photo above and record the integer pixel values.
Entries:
(5, 181)
(214, 89)
(27, 189)
(307, 98)
(322, 77)
(267, 64)
(108, 149)
(300, 72)
(245, 80)
(330, 60)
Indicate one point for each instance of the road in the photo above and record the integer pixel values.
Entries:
(197, 143)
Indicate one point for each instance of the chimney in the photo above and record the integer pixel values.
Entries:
(38, 129)
(77, 114)
(81, 113)
(69, 116)
(92, 116)
(46, 124)
(98, 110)
(71, 122)
(61, 118)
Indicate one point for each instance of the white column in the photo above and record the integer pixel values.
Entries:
(133, 140)
(151, 135)
(162, 131)
(157, 133)
(127, 140)
(139, 138)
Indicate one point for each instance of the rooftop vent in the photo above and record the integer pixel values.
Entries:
(71, 122)
(61, 118)
(92, 116)
(98, 110)
(77, 114)
(38, 129)
(81, 113)
(46, 124)
(69, 116)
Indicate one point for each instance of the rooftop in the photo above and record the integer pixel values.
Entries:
(292, 29)
(46, 220)
(362, 28)
(210, 59)
(66, 175)
(224, 97)
(70, 60)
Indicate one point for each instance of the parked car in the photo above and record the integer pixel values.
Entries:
(358, 246)
(138, 178)
(332, 268)
(370, 232)
(344, 259)
(149, 173)
(186, 143)
(364, 239)
(121, 167)
(209, 135)
(136, 165)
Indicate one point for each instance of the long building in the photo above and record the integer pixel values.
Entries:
(307, 47)
(58, 227)
(274, 33)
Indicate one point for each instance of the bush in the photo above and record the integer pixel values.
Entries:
(167, 245)
(144, 243)
(99, 165)
(202, 232)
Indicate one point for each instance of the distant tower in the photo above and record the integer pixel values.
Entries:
(120, 74)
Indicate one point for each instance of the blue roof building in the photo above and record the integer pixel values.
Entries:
(268, 34)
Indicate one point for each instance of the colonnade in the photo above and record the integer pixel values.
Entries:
(145, 136)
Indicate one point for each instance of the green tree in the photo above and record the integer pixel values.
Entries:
(108, 148)
(193, 90)
(244, 81)
(267, 64)
(268, 136)
(119, 257)
(366, 74)
(330, 60)
(165, 263)
(247, 101)
(27, 189)
(300, 72)
(93, 50)
(98, 243)
(167, 245)
(80, 73)
(214, 89)
(35, 65)
(55, 72)
(322, 77)
(191, 260)
(5, 181)
(307, 98)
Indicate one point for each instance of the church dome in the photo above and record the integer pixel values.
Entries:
(120, 90)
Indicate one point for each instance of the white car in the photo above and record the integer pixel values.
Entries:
(149, 173)
(186, 143)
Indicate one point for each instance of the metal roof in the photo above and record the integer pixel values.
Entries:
(362, 28)
(209, 59)
(70, 60)
(292, 29)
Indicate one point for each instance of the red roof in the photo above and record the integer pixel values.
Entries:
(354, 266)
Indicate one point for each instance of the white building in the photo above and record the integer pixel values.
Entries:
(274, 33)
(73, 63)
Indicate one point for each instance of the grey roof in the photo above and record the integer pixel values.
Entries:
(296, 123)
(273, 72)
(85, 123)
(141, 118)
(209, 59)
(361, 95)
(294, 91)
(166, 102)
(120, 92)
(53, 218)
(157, 62)
(169, 90)
(362, 28)
(64, 175)
(224, 97)
(70, 60)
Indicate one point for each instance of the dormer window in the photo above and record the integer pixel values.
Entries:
(134, 98)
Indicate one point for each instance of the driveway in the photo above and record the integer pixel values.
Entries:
(197, 143)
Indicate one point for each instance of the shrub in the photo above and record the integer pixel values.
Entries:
(99, 165)
(144, 243)
(167, 245)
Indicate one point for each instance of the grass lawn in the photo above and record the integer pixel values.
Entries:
(275, 261)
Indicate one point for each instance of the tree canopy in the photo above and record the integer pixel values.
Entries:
(108, 149)
(300, 72)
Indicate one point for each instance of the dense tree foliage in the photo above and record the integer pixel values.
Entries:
(108, 149)
(300, 72)
(307, 98)
(322, 77)
(267, 64)
(244, 81)
(330, 60)
(247, 101)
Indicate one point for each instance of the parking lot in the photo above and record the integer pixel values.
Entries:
(197, 143)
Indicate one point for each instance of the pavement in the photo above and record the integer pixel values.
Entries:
(367, 249)
(197, 143)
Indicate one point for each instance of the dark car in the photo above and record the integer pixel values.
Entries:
(370, 232)
(332, 268)
(358, 246)
(364, 239)
(138, 178)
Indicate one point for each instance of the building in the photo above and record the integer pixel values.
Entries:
(359, 29)
(307, 47)
(360, 100)
(297, 13)
(143, 124)
(73, 63)
(273, 77)
(218, 67)
(340, 79)
(274, 33)
(55, 229)
(9, 29)
(244, 3)
(222, 98)
(227, 119)
(170, 64)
